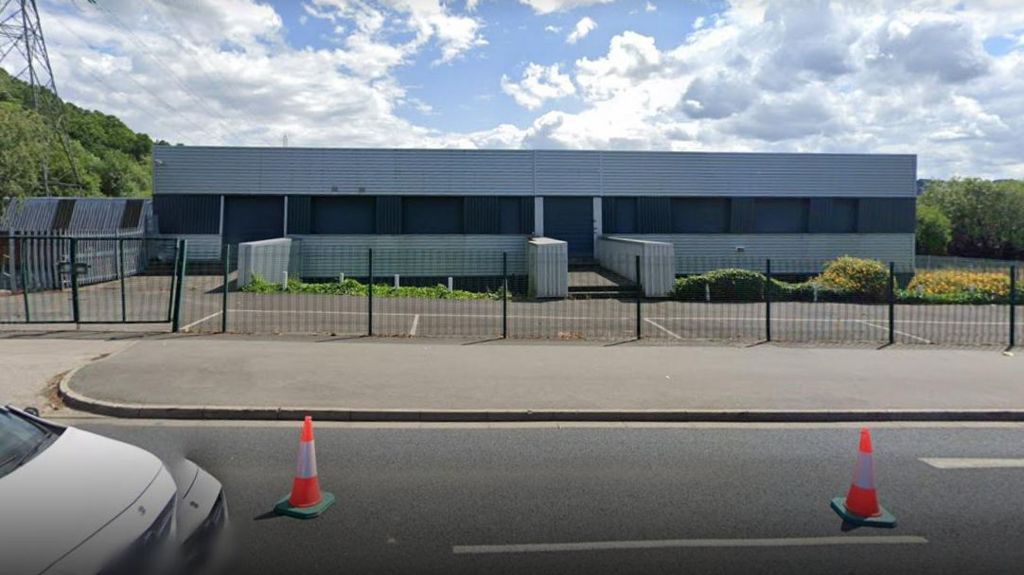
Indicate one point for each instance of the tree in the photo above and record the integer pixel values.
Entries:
(987, 218)
(934, 231)
(22, 144)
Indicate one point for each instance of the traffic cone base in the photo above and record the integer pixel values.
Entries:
(283, 507)
(883, 519)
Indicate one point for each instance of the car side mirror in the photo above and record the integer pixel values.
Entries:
(31, 411)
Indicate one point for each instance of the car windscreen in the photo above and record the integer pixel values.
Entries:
(20, 440)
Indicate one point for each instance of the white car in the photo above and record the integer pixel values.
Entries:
(76, 502)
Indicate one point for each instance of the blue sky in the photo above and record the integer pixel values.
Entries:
(938, 78)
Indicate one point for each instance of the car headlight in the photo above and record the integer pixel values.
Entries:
(202, 540)
(147, 553)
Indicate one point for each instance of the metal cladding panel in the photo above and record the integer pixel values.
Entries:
(482, 215)
(886, 215)
(432, 215)
(299, 215)
(187, 214)
(97, 215)
(711, 251)
(227, 170)
(566, 173)
(389, 215)
(29, 214)
(341, 215)
(253, 218)
(571, 220)
(742, 215)
(832, 215)
(326, 256)
(749, 174)
(654, 215)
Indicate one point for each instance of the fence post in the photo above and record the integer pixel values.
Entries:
(24, 281)
(892, 303)
(224, 292)
(639, 298)
(369, 293)
(74, 280)
(768, 299)
(1013, 306)
(504, 295)
(174, 280)
(120, 273)
(180, 274)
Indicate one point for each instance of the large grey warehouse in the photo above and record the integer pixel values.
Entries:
(760, 205)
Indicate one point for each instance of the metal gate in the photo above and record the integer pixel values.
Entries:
(89, 280)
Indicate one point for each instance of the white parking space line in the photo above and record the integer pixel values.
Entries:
(972, 463)
(896, 331)
(689, 543)
(662, 328)
(199, 321)
(415, 324)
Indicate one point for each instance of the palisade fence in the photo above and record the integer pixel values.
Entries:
(286, 288)
(408, 293)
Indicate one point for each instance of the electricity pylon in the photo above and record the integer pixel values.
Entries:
(23, 53)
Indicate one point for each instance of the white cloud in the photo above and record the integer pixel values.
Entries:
(549, 6)
(583, 27)
(552, 29)
(767, 75)
(538, 85)
(650, 7)
(698, 22)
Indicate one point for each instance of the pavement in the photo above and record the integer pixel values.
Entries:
(220, 377)
(31, 365)
(609, 498)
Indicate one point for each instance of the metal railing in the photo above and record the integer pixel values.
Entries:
(484, 295)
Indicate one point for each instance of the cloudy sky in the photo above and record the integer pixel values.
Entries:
(940, 78)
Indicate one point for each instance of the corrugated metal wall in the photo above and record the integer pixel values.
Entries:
(299, 214)
(327, 256)
(898, 248)
(252, 218)
(272, 171)
(113, 216)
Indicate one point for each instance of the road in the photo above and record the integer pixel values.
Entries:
(452, 499)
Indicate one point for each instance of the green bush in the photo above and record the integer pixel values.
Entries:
(724, 285)
(856, 277)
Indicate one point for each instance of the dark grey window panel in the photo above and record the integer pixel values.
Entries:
(832, 215)
(742, 214)
(253, 218)
(299, 216)
(344, 215)
(187, 213)
(885, 215)
(436, 215)
(654, 215)
(780, 215)
(510, 215)
(526, 215)
(624, 216)
(389, 215)
(482, 215)
(700, 215)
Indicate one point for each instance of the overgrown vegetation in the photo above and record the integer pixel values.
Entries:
(111, 159)
(352, 287)
(986, 218)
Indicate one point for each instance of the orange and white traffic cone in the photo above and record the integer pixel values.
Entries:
(306, 500)
(861, 504)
